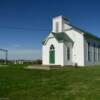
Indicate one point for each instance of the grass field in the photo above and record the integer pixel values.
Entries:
(17, 83)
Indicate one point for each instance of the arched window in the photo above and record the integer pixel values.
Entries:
(68, 53)
(52, 48)
(52, 55)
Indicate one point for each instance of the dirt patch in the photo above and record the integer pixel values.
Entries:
(38, 67)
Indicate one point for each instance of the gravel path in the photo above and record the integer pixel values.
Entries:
(38, 67)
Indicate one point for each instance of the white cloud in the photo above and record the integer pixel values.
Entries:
(16, 46)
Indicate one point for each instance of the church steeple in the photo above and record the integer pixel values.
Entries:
(58, 24)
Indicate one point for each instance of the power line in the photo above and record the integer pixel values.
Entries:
(23, 28)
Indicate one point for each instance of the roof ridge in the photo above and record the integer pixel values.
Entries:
(86, 32)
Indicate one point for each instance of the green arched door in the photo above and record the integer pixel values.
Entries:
(52, 55)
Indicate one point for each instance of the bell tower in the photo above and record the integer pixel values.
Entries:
(59, 24)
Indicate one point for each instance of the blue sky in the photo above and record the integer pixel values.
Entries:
(24, 23)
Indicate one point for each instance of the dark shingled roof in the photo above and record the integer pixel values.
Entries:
(60, 37)
(87, 34)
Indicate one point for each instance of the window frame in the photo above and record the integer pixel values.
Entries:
(68, 54)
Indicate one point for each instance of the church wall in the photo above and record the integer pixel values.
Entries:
(78, 47)
(58, 52)
(66, 60)
(91, 61)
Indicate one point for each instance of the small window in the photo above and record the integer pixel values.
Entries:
(99, 53)
(68, 53)
(94, 52)
(89, 52)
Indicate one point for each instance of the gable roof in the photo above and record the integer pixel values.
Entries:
(60, 37)
(87, 34)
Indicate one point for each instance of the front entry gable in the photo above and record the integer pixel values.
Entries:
(60, 37)
(50, 36)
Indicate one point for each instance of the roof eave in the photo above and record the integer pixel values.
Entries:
(86, 34)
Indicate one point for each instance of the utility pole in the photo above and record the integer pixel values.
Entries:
(6, 57)
(6, 54)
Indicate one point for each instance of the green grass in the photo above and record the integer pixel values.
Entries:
(17, 83)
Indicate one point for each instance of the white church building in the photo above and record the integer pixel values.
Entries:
(67, 44)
